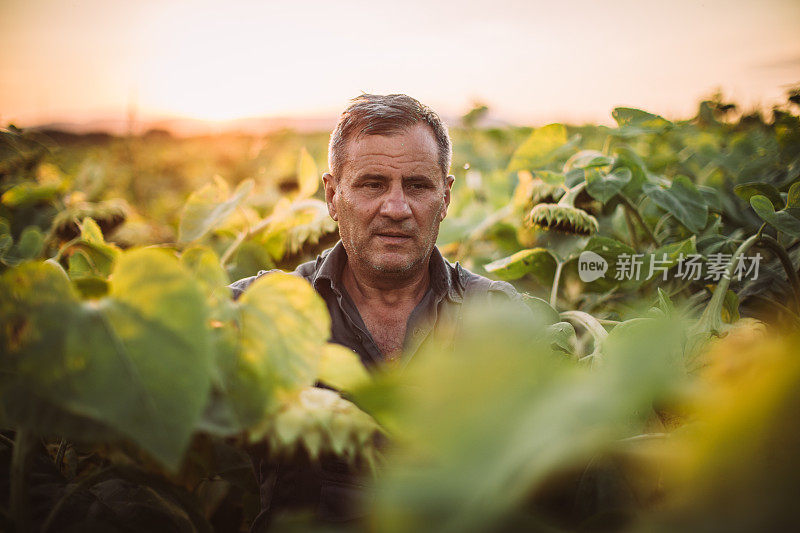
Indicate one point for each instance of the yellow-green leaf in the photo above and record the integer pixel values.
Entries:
(308, 177)
(341, 368)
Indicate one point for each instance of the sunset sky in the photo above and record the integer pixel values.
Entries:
(532, 62)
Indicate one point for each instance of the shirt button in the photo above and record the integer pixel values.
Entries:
(417, 332)
(358, 338)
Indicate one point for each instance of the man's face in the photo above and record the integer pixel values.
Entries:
(389, 201)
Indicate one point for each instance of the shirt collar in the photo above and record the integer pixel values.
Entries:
(446, 279)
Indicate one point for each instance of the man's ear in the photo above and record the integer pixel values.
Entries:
(330, 194)
(448, 184)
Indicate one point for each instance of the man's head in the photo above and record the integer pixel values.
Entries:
(389, 186)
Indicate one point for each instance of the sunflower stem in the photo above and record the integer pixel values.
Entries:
(712, 313)
(774, 246)
(631, 229)
(556, 281)
(568, 199)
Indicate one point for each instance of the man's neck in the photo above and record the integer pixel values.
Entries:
(385, 292)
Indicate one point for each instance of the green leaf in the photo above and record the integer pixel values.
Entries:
(549, 177)
(31, 243)
(682, 200)
(29, 246)
(712, 197)
(745, 191)
(607, 247)
(673, 251)
(793, 198)
(92, 287)
(308, 177)
(665, 303)
(482, 429)
(274, 346)
(90, 254)
(251, 257)
(587, 159)
(780, 220)
(543, 312)
(137, 361)
(204, 264)
(341, 368)
(666, 257)
(209, 207)
(29, 193)
(562, 336)
(635, 121)
(533, 260)
(610, 250)
(539, 149)
(604, 187)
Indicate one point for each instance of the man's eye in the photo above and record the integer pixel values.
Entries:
(372, 185)
(420, 186)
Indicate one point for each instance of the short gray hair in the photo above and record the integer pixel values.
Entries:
(378, 114)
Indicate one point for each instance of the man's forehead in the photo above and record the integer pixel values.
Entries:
(410, 146)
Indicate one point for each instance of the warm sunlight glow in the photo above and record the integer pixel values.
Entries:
(532, 62)
(207, 69)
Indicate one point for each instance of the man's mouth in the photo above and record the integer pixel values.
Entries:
(393, 237)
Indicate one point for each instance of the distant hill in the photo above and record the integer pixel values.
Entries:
(188, 127)
(185, 127)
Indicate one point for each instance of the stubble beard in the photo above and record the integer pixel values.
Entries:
(401, 272)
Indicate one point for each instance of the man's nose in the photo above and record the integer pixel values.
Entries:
(395, 205)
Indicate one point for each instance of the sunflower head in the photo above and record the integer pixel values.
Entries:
(585, 202)
(533, 190)
(318, 422)
(563, 218)
(542, 191)
(109, 215)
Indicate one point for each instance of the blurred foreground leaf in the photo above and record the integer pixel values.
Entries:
(341, 368)
(307, 175)
(488, 425)
(736, 468)
(210, 206)
(273, 346)
(137, 361)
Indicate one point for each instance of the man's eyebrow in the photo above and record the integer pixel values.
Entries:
(376, 176)
(370, 176)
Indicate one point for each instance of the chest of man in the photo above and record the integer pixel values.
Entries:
(387, 326)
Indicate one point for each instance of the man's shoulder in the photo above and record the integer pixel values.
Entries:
(475, 285)
(305, 271)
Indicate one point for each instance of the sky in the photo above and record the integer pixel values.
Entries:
(532, 62)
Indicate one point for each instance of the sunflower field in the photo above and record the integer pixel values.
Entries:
(654, 386)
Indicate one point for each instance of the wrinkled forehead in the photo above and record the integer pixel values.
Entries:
(411, 146)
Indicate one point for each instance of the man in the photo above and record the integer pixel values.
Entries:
(386, 285)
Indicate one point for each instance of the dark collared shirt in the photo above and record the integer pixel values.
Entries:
(334, 485)
(439, 309)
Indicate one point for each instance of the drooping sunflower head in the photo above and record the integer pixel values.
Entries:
(542, 191)
(533, 190)
(109, 215)
(563, 218)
